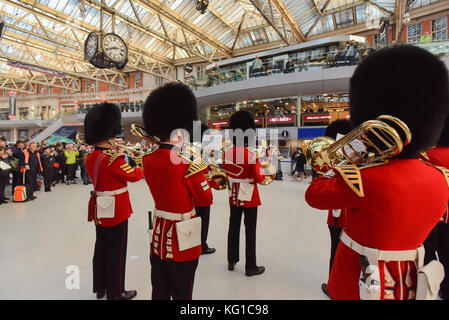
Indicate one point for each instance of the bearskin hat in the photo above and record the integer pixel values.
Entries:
(406, 82)
(339, 126)
(243, 120)
(169, 107)
(444, 137)
(102, 122)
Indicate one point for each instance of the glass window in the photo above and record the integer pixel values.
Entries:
(137, 81)
(414, 33)
(344, 18)
(377, 40)
(439, 29)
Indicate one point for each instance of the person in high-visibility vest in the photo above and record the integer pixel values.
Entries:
(33, 160)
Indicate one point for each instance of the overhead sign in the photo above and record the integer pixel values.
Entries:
(316, 117)
(283, 119)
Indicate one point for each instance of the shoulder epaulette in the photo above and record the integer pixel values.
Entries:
(351, 175)
(443, 170)
(196, 166)
(112, 155)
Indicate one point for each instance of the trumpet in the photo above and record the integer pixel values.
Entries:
(372, 141)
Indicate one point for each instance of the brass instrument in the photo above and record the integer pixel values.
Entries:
(379, 141)
(140, 132)
(268, 168)
(218, 174)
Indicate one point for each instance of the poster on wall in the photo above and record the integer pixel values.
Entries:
(22, 134)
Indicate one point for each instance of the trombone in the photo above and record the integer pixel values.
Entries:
(373, 140)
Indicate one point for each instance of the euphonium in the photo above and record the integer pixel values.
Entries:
(372, 141)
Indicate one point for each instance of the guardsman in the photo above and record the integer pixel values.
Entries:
(245, 173)
(177, 184)
(393, 205)
(438, 240)
(109, 205)
(336, 217)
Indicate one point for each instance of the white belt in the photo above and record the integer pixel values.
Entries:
(384, 255)
(233, 180)
(111, 193)
(173, 216)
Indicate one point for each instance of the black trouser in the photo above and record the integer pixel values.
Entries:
(109, 260)
(34, 185)
(48, 172)
(250, 221)
(15, 180)
(3, 182)
(71, 170)
(172, 279)
(335, 239)
(204, 213)
(63, 172)
(438, 241)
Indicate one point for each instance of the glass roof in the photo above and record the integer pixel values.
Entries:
(52, 32)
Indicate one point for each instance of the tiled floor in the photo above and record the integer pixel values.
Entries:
(40, 239)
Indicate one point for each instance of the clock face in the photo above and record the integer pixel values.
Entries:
(114, 47)
(91, 46)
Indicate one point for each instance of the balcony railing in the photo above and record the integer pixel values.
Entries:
(282, 65)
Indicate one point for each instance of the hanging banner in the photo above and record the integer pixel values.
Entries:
(12, 104)
(31, 67)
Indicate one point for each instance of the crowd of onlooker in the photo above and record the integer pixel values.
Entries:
(42, 165)
(39, 165)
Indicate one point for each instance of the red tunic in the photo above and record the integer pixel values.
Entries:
(164, 172)
(404, 200)
(112, 177)
(439, 156)
(251, 170)
(340, 220)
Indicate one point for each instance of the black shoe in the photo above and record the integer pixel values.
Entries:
(442, 296)
(127, 295)
(5, 199)
(324, 289)
(231, 266)
(255, 272)
(101, 294)
(32, 198)
(47, 190)
(208, 251)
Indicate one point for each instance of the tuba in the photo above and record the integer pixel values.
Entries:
(373, 140)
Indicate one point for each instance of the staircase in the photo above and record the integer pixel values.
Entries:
(53, 127)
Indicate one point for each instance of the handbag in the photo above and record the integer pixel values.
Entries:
(189, 233)
(4, 166)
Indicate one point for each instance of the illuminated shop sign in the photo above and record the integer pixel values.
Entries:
(224, 123)
(284, 119)
(316, 117)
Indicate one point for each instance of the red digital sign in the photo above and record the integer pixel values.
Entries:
(283, 119)
(316, 117)
(223, 123)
